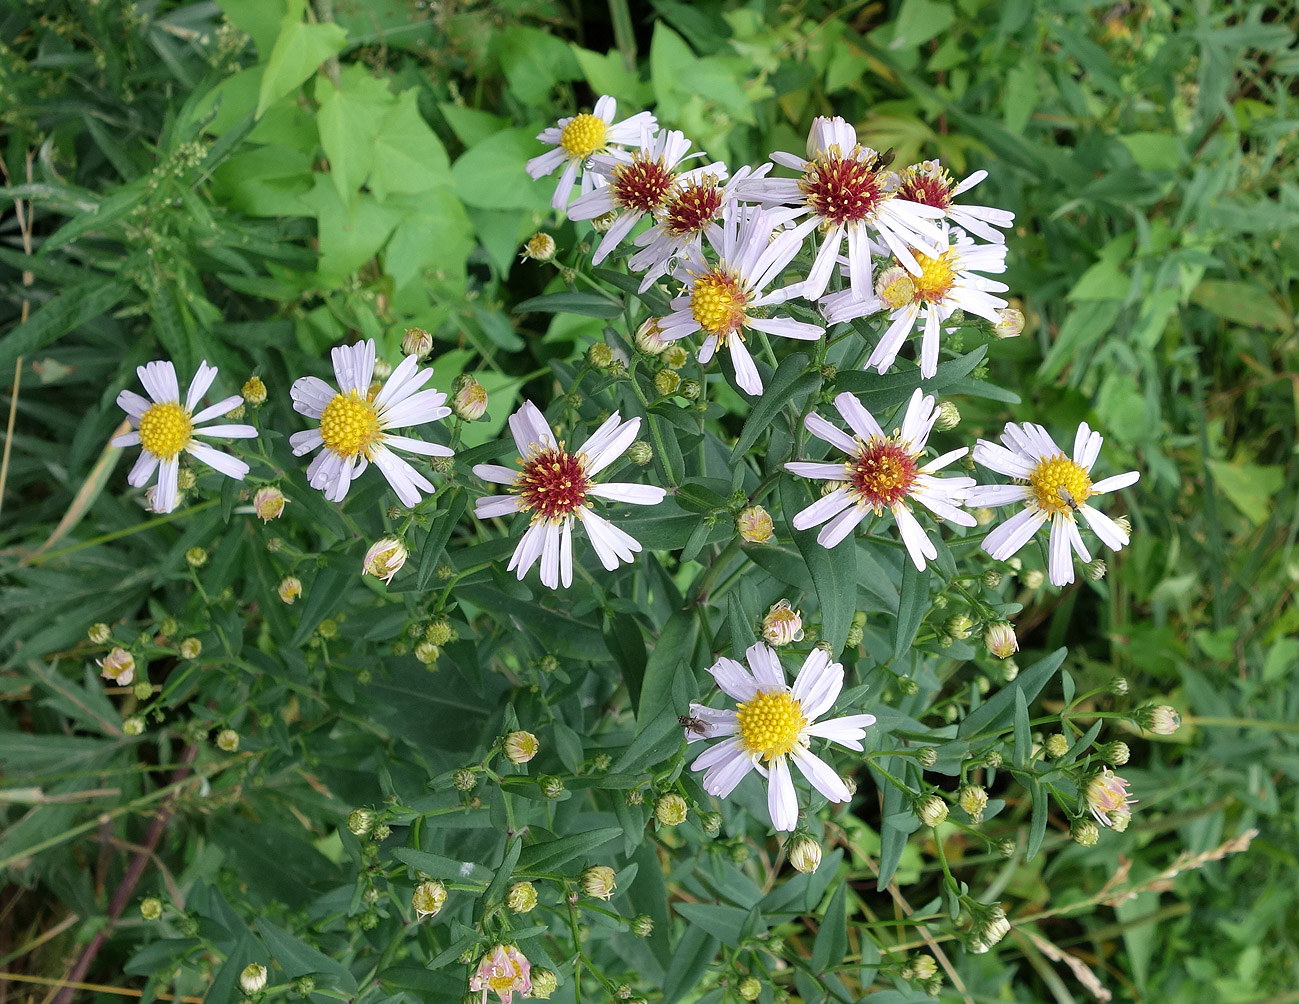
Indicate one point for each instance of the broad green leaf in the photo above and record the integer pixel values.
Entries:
(431, 243)
(408, 156)
(299, 50)
(723, 921)
(676, 641)
(533, 62)
(913, 602)
(1037, 822)
(1244, 303)
(350, 235)
(259, 18)
(623, 638)
(789, 383)
(491, 173)
(551, 854)
(1252, 488)
(322, 595)
(439, 867)
(512, 851)
(298, 959)
(1023, 741)
(350, 119)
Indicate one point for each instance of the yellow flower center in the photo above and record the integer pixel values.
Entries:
(717, 303)
(936, 278)
(502, 981)
(583, 135)
(165, 430)
(350, 425)
(1052, 479)
(770, 724)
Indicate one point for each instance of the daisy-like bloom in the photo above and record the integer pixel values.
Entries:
(556, 487)
(578, 137)
(355, 421)
(882, 472)
(385, 558)
(693, 208)
(718, 299)
(772, 724)
(1106, 792)
(637, 183)
(928, 296)
(929, 184)
(164, 428)
(1052, 488)
(848, 193)
(504, 971)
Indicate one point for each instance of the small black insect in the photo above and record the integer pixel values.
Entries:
(692, 724)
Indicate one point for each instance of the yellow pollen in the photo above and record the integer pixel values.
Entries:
(770, 724)
(165, 430)
(936, 278)
(1050, 476)
(717, 304)
(584, 135)
(350, 425)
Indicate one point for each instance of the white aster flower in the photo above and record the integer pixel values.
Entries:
(944, 284)
(556, 487)
(637, 183)
(848, 193)
(164, 428)
(355, 423)
(882, 472)
(577, 137)
(1052, 488)
(929, 184)
(717, 298)
(772, 724)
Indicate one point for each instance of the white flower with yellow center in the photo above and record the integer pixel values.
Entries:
(882, 473)
(943, 285)
(355, 423)
(555, 487)
(576, 138)
(772, 724)
(1053, 489)
(848, 193)
(722, 300)
(164, 428)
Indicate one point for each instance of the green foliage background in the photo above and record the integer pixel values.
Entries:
(199, 186)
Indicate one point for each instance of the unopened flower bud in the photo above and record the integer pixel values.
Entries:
(1010, 323)
(642, 925)
(671, 810)
(934, 987)
(855, 635)
(1009, 670)
(992, 759)
(598, 882)
(601, 761)
(470, 400)
(98, 633)
(1160, 719)
(949, 417)
(666, 382)
(932, 810)
(973, 799)
(1084, 832)
(304, 986)
(1118, 686)
(544, 983)
(118, 666)
(428, 898)
(539, 247)
(360, 822)
(1000, 640)
(927, 756)
(754, 525)
(327, 628)
(675, 356)
(908, 686)
(427, 653)
(690, 389)
(1056, 745)
(1006, 847)
(520, 747)
(191, 648)
(749, 988)
(521, 898)
(640, 453)
(634, 796)
(805, 854)
(599, 355)
(196, 557)
(168, 627)
(290, 588)
(133, 726)
(1116, 754)
(959, 627)
(227, 740)
(992, 578)
(649, 338)
(439, 631)
(922, 967)
(738, 851)
(150, 908)
(417, 342)
(711, 823)
(894, 287)
(185, 477)
(254, 391)
(252, 978)
(382, 371)
(1119, 819)
(604, 221)
(1095, 569)
(1124, 524)
(550, 785)
(385, 558)
(782, 625)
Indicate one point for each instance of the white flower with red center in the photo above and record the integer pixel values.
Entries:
(576, 138)
(772, 724)
(944, 284)
(694, 207)
(556, 487)
(882, 473)
(929, 184)
(1052, 488)
(849, 194)
(164, 428)
(356, 422)
(637, 183)
(719, 299)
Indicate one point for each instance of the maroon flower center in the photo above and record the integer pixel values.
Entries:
(643, 184)
(928, 187)
(553, 484)
(882, 473)
(844, 189)
(692, 206)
